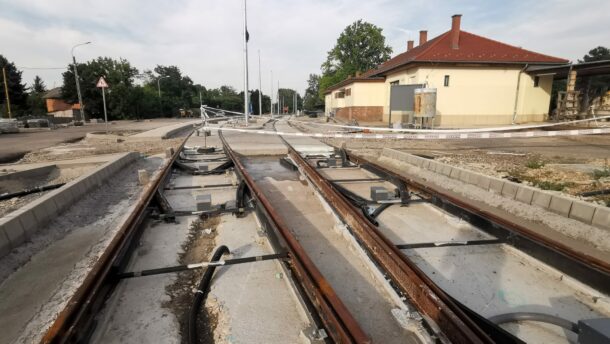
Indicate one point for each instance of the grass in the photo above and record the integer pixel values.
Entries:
(534, 163)
(554, 186)
(598, 174)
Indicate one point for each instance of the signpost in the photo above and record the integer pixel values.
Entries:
(101, 83)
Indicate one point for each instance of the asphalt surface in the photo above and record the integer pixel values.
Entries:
(14, 146)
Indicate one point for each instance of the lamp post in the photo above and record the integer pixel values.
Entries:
(159, 90)
(80, 97)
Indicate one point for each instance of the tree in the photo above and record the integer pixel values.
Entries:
(36, 103)
(16, 89)
(119, 75)
(596, 54)
(177, 91)
(254, 101)
(312, 99)
(286, 97)
(360, 47)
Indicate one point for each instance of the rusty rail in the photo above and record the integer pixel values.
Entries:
(337, 319)
(429, 299)
(65, 326)
(585, 264)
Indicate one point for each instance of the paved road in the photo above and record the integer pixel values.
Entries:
(14, 146)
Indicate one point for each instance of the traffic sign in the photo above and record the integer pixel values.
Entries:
(101, 83)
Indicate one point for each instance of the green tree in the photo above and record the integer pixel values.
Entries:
(177, 90)
(36, 103)
(360, 47)
(119, 75)
(286, 97)
(16, 90)
(254, 101)
(596, 54)
(312, 99)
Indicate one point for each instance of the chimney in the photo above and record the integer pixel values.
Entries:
(455, 31)
(423, 37)
(358, 74)
(409, 45)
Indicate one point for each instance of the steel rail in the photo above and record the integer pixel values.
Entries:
(339, 322)
(581, 265)
(427, 297)
(64, 328)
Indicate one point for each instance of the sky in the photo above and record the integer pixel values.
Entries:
(204, 37)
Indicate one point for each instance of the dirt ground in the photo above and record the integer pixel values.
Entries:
(15, 146)
(197, 249)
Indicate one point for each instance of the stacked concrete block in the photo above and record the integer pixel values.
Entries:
(22, 224)
(588, 213)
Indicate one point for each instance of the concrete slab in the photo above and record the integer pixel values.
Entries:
(509, 190)
(541, 199)
(525, 194)
(582, 211)
(560, 205)
(601, 218)
(167, 131)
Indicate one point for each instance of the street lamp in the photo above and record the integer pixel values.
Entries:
(159, 90)
(80, 98)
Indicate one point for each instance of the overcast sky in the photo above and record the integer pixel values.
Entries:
(203, 37)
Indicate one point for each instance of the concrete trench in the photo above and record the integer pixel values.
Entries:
(490, 279)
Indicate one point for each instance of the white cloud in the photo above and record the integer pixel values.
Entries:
(203, 38)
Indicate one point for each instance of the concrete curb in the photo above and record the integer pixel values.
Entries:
(168, 130)
(20, 225)
(585, 212)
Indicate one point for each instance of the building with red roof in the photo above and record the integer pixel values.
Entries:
(478, 82)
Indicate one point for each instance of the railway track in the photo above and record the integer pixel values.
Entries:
(445, 319)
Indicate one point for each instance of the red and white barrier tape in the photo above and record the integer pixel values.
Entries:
(427, 136)
(472, 130)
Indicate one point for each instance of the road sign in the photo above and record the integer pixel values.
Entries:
(101, 83)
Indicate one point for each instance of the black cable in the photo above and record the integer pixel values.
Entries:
(201, 295)
(30, 191)
(539, 317)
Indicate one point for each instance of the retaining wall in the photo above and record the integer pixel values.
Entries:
(18, 226)
(585, 212)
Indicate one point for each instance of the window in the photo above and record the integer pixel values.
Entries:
(446, 83)
(536, 81)
(348, 92)
(395, 82)
(340, 95)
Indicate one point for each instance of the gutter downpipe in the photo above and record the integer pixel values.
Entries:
(517, 93)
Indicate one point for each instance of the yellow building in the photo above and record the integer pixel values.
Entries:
(478, 82)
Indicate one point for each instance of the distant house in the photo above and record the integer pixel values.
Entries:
(58, 107)
(478, 82)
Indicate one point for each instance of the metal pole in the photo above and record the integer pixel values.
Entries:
(80, 98)
(245, 63)
(159, 91)
(105, 114)
(260, 87)
(278, 97)
(8, 100)
(271, 95)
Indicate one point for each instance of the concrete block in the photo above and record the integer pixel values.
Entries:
(509, 189)
(525, 194)
(582, 211)
(425, 163)
(28, 220)
(541, 199)
(13, 230)
(465, 176)
(5, 244)
(44, 210)
(169, 152)
(446, 170)
(455, 173)
(484, 182)
(143, 177)
(379, 193)
(63, 200)
(560, 205)
(203, 201)
(496, 185)
(417, 161)
(601, 218)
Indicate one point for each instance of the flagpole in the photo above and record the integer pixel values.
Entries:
(245, 64)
